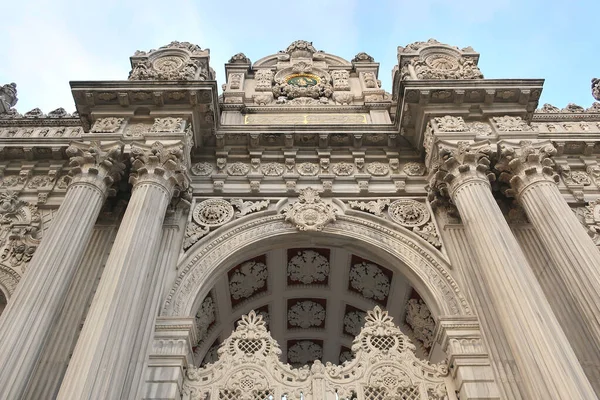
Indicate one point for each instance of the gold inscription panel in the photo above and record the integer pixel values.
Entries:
(305, 119)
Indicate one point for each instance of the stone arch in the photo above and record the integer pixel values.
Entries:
(426, 268)
(8, 280)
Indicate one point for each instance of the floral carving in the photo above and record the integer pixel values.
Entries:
(341, 79)
(306, 168)
(378, 169)
(193, 233)
(511, 124)
(136, 130)
(235, 81)
(321, 91)
(449, 123)
(414, 169)
(548, 108)
(248, 278)
(306, 314)
(202, 169)
(370, 281)
(408, 213)
(213, 212)
(429, 233)
(109, 125)
(596, 88)
(167, 124)
(443, 66)
(308, 267)
(420, 321)
(370, 80)
(272, 169)
(575, 177)
(363, 57)
(205, 317)
(8, 98)
(375, 207)
(482, 129)
(344, 98)
(310, 213)
(304, 352)
(343, 169)
(264, 79)
(238, 169)
(573, 108)
(353, 322)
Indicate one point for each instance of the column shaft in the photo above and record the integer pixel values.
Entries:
(28, 318)
(542, 352)
(576, 257)
(98, 368)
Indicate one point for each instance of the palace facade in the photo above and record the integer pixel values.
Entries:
(304, 234)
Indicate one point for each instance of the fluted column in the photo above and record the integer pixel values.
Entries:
(99, 366)
(27, 320)
(529, 170)
(546, 361)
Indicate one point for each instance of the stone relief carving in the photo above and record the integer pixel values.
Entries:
(175, 61)
(363, 57)
(235, 81)
(341, 79)
(510, 124)
(408, 213)
(247, 207)
(249, 278)
(589, 216)
(307, 169)
(205, 317)
(370, 80)
(370, 281)
(414, 169)
(343, 98)
(202, 169)
(596, 88)
(574, 177)
(238, 169)
(354, 321)
(167, 124)
(343, 169)
(272, 169)
(382, 365)
(20, 234)
(109, 125)
(304, 352)
(286, 92)
(239, 58)
(264, 79)
(308, 267)
(449, 123)
(310, 213)
(378, 169)
(306, 314)
(8, 98)
(213, 212)
(421, 322)
(375, 207)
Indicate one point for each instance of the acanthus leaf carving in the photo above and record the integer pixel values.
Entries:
(95, 162)
(308, 267)
(306, 314)
(375, 207)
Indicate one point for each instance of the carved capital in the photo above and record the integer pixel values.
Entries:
(159, 164)
(525, 163)
(459, 164)
(96, 163)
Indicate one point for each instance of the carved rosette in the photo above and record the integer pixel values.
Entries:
(97, 164)
(525, 163)
(458, 165)
(159, 164)
(310, 213)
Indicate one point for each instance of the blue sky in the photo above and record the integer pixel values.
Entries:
(45, 44)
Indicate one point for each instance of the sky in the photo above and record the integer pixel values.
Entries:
(46, 44)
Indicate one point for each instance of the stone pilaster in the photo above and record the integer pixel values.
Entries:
(468, 360)
(99, 368)
(528, 168)
(545, 359)
(41, 293)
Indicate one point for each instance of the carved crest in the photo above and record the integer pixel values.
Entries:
(310, 213)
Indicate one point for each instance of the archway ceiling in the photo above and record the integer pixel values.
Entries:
(314, 300)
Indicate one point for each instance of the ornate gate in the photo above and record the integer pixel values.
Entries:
(384, 368)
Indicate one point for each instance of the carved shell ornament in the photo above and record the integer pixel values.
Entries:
(310, 213)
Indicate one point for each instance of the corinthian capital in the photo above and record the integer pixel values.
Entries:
(160, 164)
(460, 163)
(524, 163)
(95, 163)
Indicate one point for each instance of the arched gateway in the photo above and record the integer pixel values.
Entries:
(297, 199)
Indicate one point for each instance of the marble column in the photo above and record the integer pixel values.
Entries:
(109, 338)
(27, 320)
(543, 355)
(528, 169)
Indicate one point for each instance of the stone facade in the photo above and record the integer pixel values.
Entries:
(301, 234)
